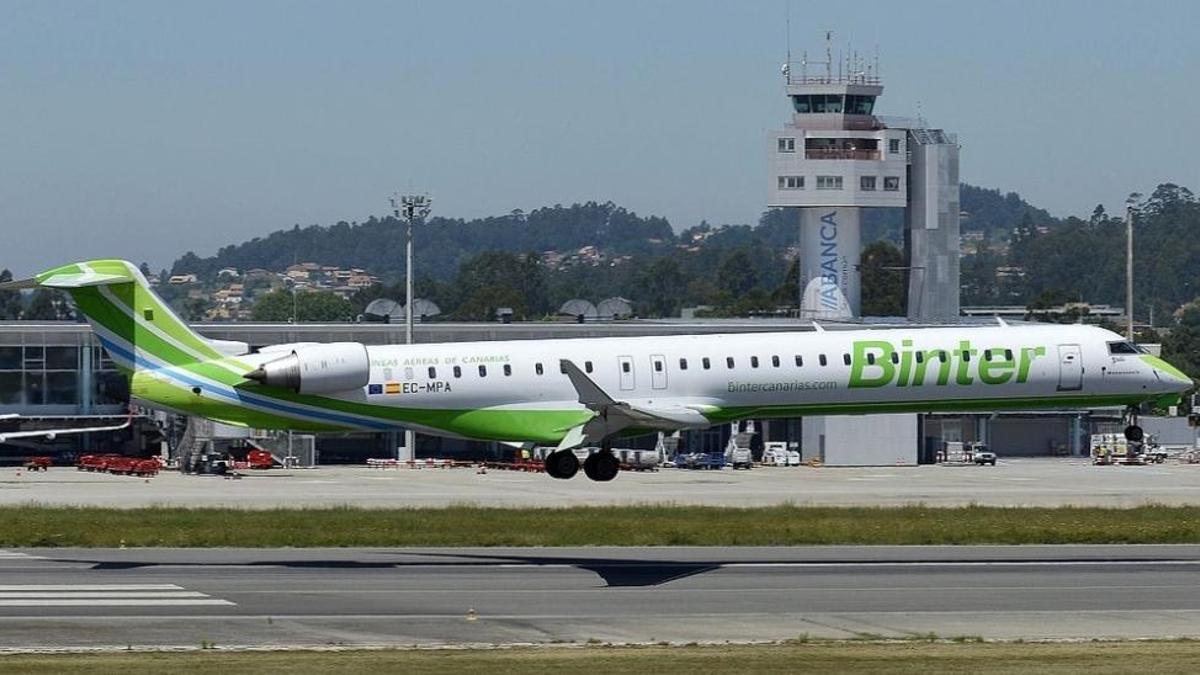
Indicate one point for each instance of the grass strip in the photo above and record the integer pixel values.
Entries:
(33, 526)
(1096, 658)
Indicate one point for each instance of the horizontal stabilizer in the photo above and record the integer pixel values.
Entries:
(18, 284)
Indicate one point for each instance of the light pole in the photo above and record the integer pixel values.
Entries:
(410, 208)
(1129, 213)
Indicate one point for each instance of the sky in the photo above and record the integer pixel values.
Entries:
(143, 130)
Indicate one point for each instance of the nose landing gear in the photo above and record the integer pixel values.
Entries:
(1133, 432)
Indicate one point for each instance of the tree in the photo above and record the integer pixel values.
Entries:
(10, 301)
(883, 289)
(46, 305)
(662, 285)
(310, 306)
(738, 274)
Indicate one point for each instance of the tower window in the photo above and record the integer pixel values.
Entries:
(867, 183)
(791, 182)
(829, 182)
(787, 144)
(894, 146)
(891, 183)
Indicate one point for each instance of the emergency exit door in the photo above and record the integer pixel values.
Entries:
(625, 365)
(1070, 368)
(658, 371)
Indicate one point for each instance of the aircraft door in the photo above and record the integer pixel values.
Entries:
(1070, 368)
(625, 364)
(658, 371)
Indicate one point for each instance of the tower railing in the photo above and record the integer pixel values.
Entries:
(833, 153)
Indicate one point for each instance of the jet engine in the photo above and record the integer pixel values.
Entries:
(317, 369)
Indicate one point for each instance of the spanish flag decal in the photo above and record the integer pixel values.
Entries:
(392, 388)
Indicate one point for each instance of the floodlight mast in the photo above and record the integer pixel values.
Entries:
(410, 208)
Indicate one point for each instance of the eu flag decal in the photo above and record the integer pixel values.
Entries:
(374, 388)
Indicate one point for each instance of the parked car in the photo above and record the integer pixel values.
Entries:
(985, 457)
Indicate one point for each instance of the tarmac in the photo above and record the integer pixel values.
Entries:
(64, 599)
(1014, 482)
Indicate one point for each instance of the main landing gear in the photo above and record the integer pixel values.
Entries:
(600, 466)
(562, 464)
(1133, 432)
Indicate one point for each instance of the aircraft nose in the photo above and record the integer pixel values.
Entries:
(1169, 375)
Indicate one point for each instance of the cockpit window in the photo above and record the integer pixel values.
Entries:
(1123, 348)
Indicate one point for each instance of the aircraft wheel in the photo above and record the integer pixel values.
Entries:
(1134, 433)
(562, 464)
(601, 466)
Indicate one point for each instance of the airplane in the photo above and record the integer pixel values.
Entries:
(572, 393)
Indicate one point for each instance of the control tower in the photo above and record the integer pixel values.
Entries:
(836, 157)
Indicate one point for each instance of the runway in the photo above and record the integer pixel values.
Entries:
(61, 599)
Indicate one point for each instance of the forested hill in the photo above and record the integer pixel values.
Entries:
(377, 245)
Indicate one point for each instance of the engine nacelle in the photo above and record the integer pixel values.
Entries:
(317, 369)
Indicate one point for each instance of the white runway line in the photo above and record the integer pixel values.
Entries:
(17, 555)
(104, 595)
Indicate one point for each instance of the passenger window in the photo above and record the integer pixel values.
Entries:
(587, 366)
(729, 362)
(896, 357)
(457, 371)
(799, 361)
(507, 370)
(683, 364)
(658, 366)
(1008, 355)
(625, 367)
(432, 373)
(966, 355)
(537, 368)
(482, 370)
(987, 355)
(753, 361)
(706, 363)
(871, 358)
(775, 361)
(408, 373)
(920, 357)
(846, 359)
(823, 360)
(942, 356)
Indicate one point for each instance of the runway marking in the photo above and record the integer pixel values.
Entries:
(17, 555)
(104, 595)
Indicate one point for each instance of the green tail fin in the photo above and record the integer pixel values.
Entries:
(136, 327)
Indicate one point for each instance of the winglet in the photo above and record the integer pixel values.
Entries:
(590, 394)
(817, 327)
(1000, 320)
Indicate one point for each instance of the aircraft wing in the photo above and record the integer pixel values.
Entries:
(51, 434)
(613, 416)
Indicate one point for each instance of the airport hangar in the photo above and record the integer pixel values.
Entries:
(57, 375)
